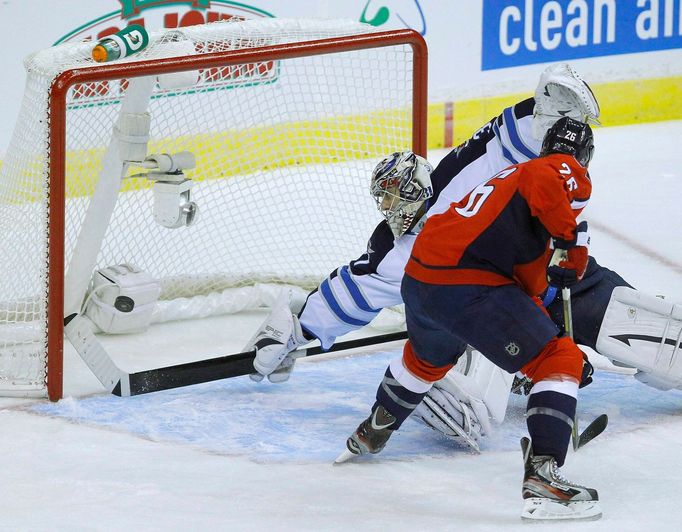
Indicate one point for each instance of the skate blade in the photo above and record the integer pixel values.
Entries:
(539, 509)
(344, 457)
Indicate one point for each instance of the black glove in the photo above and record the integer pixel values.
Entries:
(521, 386)
(588, 370)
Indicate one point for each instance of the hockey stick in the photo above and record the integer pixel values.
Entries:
(235, 365)
(124, 384)
(599, 424)
(568, 327)
(593, 430)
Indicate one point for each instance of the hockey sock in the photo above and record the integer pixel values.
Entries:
(400, 392)
(550, 414)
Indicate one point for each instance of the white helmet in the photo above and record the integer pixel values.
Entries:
(401, 183)
(562, 92)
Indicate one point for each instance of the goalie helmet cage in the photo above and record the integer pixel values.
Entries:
(286, 119)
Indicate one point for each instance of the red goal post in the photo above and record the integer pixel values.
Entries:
(67, 80)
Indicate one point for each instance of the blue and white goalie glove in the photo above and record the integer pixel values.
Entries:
(279, 335)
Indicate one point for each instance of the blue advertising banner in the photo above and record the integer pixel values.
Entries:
(522, 32)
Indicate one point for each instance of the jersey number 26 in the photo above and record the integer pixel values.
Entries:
(478, 195)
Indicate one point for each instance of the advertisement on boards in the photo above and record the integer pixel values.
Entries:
(478, 49)
(27, 26)
(522, 32)
(168, 14)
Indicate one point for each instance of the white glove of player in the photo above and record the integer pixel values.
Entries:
(279, 334)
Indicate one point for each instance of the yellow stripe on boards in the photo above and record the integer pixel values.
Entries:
(646, 100)
(341, 139)
(225, 154)
(622, 103)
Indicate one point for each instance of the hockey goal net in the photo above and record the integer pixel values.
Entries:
(285, 120)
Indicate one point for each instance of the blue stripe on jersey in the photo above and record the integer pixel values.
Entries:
(334, 306)
(516, 141)
(507, 154)
(354, 290)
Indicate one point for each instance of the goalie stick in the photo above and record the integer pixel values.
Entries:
(124, 384)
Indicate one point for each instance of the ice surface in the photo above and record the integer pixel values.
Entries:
(235, 455)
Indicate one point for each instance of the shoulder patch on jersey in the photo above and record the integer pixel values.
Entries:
(379, 244)
(524, 108)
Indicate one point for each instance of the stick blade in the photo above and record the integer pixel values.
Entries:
(593, 430)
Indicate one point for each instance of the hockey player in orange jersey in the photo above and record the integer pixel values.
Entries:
(489, 239)
(472, 278)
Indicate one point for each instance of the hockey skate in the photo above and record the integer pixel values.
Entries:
(371, 435)
(549, 496)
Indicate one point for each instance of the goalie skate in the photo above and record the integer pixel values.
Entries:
(548, 496)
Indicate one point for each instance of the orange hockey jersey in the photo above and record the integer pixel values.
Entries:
(500, 233)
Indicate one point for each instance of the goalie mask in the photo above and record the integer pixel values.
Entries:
(562, 92)
(401, 183)
(570, 137)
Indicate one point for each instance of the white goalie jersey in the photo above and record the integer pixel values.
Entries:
(353, 294)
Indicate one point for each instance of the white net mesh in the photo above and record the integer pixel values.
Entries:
(284, 150)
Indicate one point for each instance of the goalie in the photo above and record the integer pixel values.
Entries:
(474, 392)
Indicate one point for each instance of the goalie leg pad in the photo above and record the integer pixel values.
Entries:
(122, 299)
(483, 381)
(442, 412)
(461, 404)
(645, 332)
